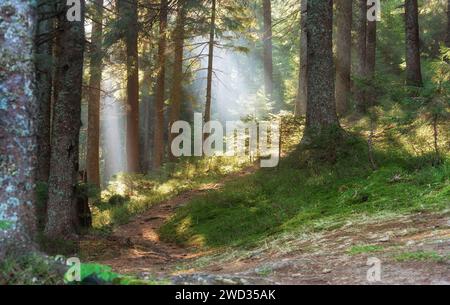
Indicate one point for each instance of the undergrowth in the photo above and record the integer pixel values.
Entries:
(315, 197)
(129, 195)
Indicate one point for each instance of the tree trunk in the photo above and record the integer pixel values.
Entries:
(177, 78)
(447, 40)
(344, 9)
(371, 48)
(44, 79)
(158, 136)
(93, 138)
(268, 56)
(62, 219)
(321, 117)
(128, 13)
(147, 98)
(18, 139)
(371, 60)
(413, 69)
(146, 111)
(212, 34)
(302, 94)
(361, 53)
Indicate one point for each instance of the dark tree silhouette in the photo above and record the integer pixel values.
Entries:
(413, 69)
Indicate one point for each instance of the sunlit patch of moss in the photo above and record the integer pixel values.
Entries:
(184, 225)
(128, 195)
(96, 274)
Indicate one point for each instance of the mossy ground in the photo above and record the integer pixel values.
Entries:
(130, 195)
(249, 209)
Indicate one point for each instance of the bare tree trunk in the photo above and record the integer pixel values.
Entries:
(361, 53)
(146, 109)
(302, 94)
(212, 34)
(18, 141)
(371, 48)
(158, 136)
(62, 219)
(93, 138)
(128, 12)
(447, 40)
(344, 10)
(44, 79)
(268, 56)
(177, 78)
(321, 118)
(413, 69)
(370, 92)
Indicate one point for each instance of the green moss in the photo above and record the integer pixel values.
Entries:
(316, 197)
(101, 274)
(361, 249)
(5, 225)
(419, 256)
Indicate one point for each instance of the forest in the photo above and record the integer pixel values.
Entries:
(218, 142)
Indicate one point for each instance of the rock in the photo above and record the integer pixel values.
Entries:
(385, 239)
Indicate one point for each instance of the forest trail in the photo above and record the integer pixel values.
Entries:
(412, 249)
(136, 248)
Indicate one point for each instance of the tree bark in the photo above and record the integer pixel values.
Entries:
(321, 115)
(44, 79)
(93, 138)
(177, 78)
(361, 53)
(158, 136)
(146, 112)
(371, 48)
(62, 221)
(268, 56)
(371, 60)
(212, 33)
(302, 94)
(128, 15)
(344, 10)
(18, 139)
(413, 69)
(447, 40)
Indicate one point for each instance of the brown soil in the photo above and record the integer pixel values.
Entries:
(136, 247)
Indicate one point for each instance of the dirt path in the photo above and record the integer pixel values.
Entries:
(323, 257)
(412, 249)
(136, 248)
